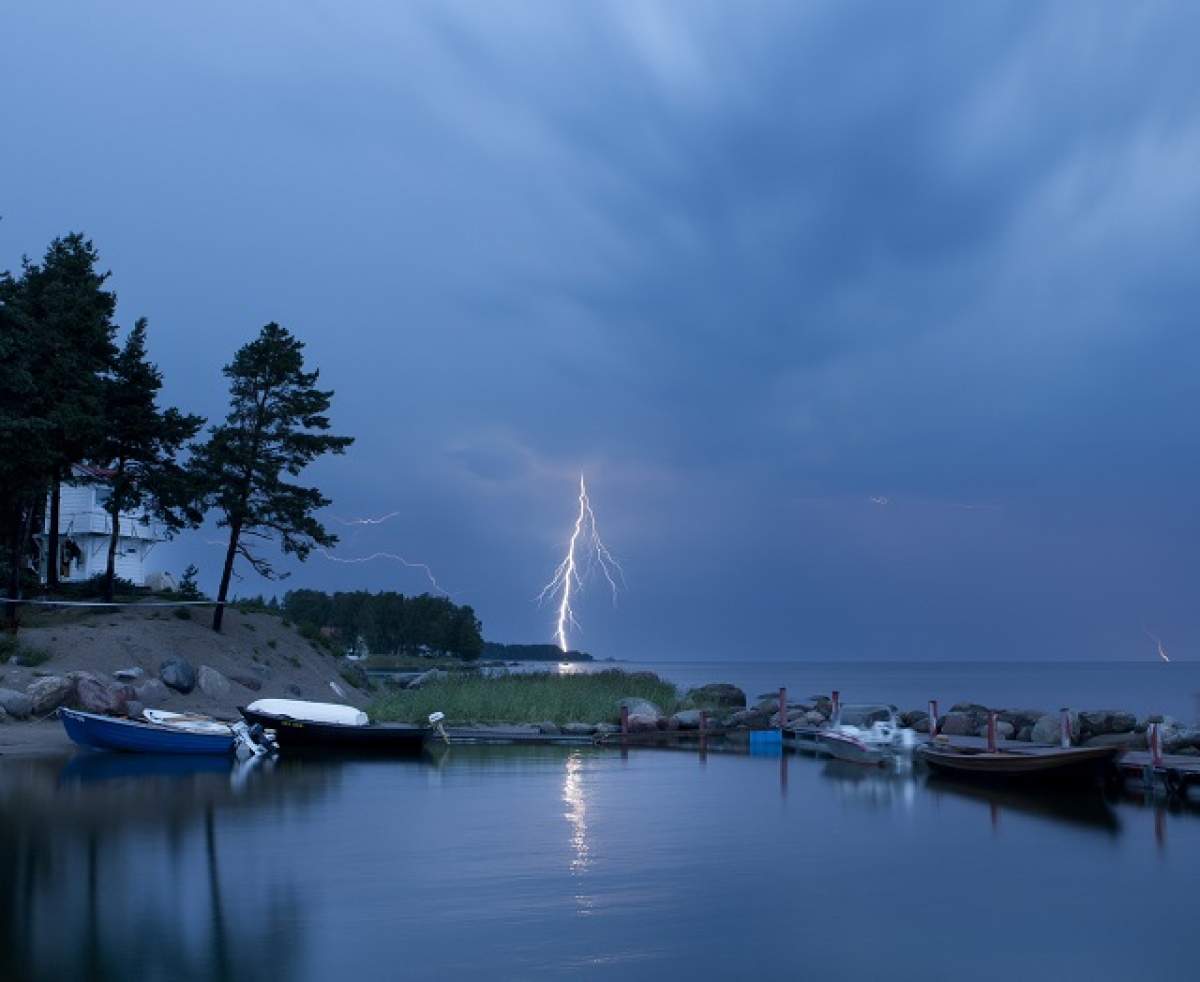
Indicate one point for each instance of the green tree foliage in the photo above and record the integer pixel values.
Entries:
(140, 444)
(188, 588)
(56, 344)
(275, 427)
(390, 623)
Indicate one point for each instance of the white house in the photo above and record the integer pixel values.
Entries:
(84, 529)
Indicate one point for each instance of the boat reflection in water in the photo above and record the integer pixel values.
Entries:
(111, 867)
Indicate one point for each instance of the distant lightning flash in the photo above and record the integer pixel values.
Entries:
(585, 538)
(388, 555)
(1162, 652)
(365, 521)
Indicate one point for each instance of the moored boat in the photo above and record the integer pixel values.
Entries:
(137, 736)
(306, 727)
(1034, 763)
(865, 734)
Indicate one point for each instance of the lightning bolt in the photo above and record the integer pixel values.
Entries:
(365, 521)
(387, 555)
(585, 541)
(1162, 652)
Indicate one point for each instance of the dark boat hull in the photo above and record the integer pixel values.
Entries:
(1067, 764)
(131, 736)
(304, 736)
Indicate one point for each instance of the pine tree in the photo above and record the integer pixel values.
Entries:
(140, 444)
(63, 299)
(275, 427)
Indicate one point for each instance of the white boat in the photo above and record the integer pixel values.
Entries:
(866, 734)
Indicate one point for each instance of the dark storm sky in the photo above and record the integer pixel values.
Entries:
(748, 267)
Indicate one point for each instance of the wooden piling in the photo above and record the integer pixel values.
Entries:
(991, 731)
(782, 709)
(837, 704)
(624, 721)
(1064, 728)
(933, 718)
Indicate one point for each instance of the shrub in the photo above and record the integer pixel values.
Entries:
(183, 613)
(21, 654)
(531, 698)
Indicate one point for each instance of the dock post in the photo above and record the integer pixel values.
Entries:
(703, 720)
(933, 718)
(1064, 728)
(624, 721)
(837, 704)
(1155, 737)
(782, 709)
(991, 731)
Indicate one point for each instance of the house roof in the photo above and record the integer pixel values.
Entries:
(90, 471)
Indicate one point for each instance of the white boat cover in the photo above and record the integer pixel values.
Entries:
(314, 712)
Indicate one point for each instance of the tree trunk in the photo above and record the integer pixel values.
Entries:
(235, 530)
(110, 570)
(52, 543)
(21, 519)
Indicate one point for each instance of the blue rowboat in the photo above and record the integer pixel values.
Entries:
(110, 733)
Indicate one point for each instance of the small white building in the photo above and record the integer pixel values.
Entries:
(84, 529)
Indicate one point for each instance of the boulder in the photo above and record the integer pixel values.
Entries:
(814, 717)
(973, 708)
(640, 707)
(688, 719)
(768, 704)
(16, 704)
(1093, 722)
(911, 717)
(1004, 730)
(247, 681)
(578, 729)
(295, 690)
(957, 723)
(133, 709)
(151, 692)
(178, 674)
(91, 694)
(212, 683)
(122, 697)
(4, 717)
(1178, 738)
(1025, 733)
(752, 719)
(49, 693)
(1130, 740)
(129, 674)
(548, 728)
(1021, 718)
(723, 694)
(606, 728)
(1046, 729)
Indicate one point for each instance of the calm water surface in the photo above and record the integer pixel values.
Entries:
(1143, 687)
(531, 863)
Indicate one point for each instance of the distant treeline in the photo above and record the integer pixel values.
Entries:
(389, 623)
(531, 652)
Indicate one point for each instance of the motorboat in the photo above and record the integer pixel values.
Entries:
(298, 726)
(868, 734)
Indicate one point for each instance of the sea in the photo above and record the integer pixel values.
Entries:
(553, 862)
(1141, 687)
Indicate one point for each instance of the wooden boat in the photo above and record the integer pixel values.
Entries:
(135, 736)
(1034, 763)
(295, 735)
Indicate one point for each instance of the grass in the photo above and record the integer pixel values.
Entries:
(22, 654)
(417, 663)
(532, 698)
